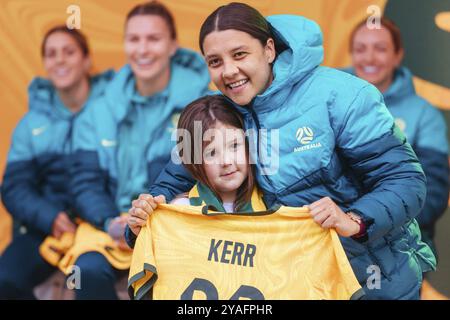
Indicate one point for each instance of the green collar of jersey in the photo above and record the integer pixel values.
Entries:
(201, 195)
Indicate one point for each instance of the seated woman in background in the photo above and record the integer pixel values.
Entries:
(376, 57)
(35, 190)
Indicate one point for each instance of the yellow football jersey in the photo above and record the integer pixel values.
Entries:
(64, 252)
(184, 254)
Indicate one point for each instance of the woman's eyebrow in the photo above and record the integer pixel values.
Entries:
(210, 56)
(242, 47)
(147, 34)
(239, 48)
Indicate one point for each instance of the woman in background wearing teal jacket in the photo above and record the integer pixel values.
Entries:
(123, 144)
(35, 190)
(376, 57)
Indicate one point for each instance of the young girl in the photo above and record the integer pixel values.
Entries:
(224, 175)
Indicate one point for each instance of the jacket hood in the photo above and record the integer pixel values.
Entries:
(43, 97)
(188, 74)
(401, 87)
(303, 53)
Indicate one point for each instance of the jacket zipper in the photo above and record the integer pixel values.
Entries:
(258, 127)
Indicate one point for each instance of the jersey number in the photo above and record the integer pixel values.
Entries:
(211, 292)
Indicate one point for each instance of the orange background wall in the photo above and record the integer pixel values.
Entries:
(24, 22)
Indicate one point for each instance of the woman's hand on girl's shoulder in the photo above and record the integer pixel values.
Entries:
(141, 209)
(328, 215)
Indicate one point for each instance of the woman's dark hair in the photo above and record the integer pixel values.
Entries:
(79, 38)
(208, 110)
(241, 17)
(389, 25)
(154, 8)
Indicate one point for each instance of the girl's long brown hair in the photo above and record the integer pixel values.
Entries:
(208, 110)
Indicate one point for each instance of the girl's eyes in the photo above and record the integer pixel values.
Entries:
(235, 146)
(211, 153)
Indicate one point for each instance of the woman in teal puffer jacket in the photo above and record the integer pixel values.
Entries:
(339, 151)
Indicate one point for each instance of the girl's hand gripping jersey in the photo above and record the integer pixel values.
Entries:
(184, 254)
